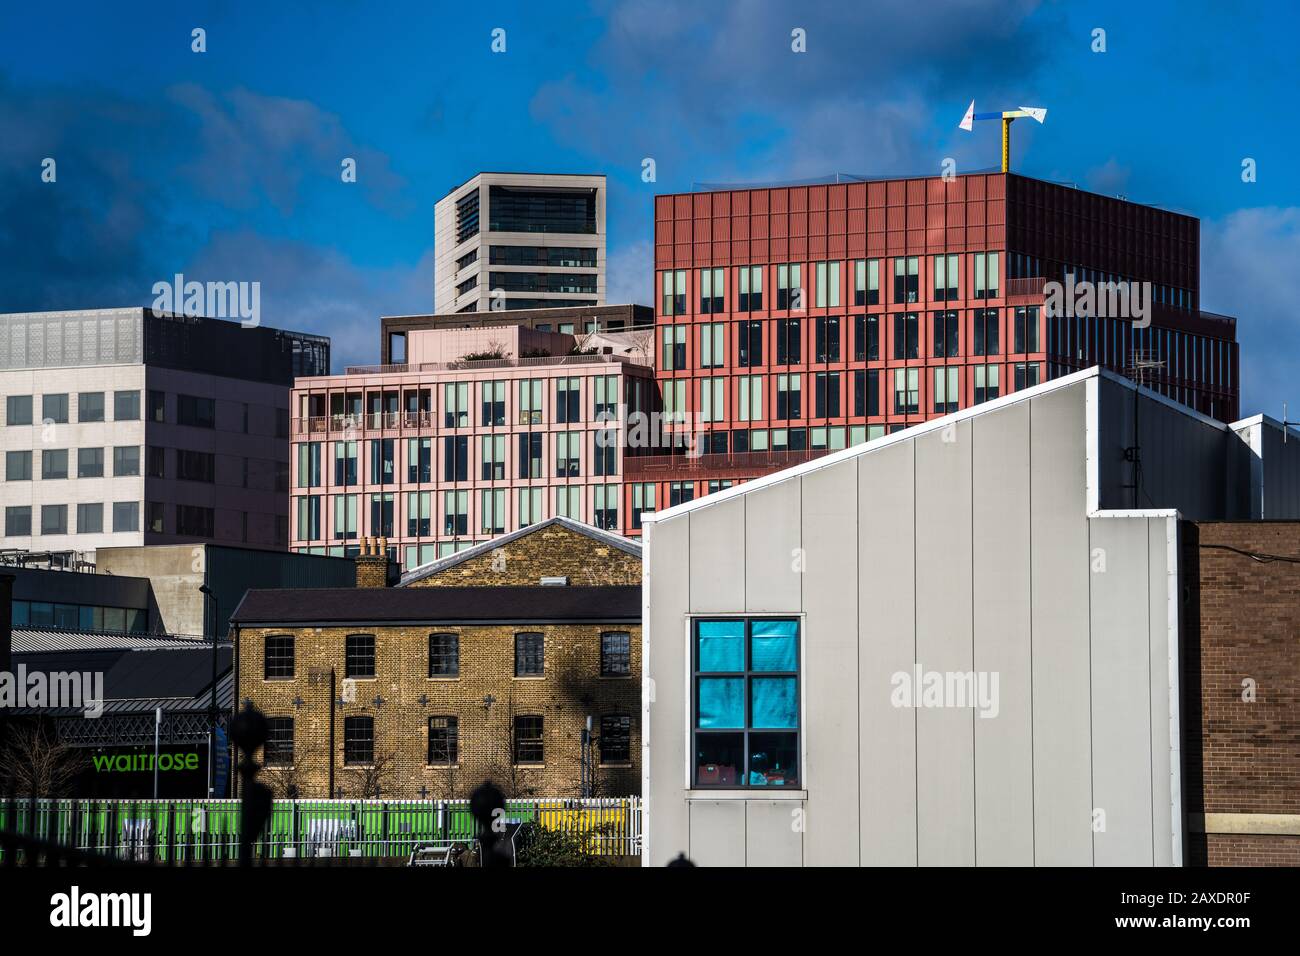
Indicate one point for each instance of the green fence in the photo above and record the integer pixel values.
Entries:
(207, 831)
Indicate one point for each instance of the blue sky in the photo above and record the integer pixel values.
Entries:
(225, 165)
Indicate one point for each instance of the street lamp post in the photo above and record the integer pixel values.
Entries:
(212, 707)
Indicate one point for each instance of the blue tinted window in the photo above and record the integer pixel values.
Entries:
(722, 646)
(775, 702)
(722, 702)
(774, 645)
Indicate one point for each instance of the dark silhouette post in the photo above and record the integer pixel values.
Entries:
(249, 732)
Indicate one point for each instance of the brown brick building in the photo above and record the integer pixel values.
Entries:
(472, 669)
(1241, 704)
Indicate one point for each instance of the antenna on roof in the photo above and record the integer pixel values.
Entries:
(1036, 113)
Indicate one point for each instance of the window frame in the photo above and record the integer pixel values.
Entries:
(267, 657)
(452, 655)
(349, 653)
(522, 660)
(608, 658)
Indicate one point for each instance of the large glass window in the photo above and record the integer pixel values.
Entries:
(18, 466)
(907, 278)
(1026, 330)
(359, 655)
(90, 407)
(277, 657)
(541, 209)
(126, 406)
(712, 291)
(530, 654)
(358, 740)
(54, 408)
(18, 410)
(750, 294)
(444, 655)
(745, 702)
(906, 335)
(444, 741)
(615, 654)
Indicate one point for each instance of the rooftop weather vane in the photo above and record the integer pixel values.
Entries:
(1008, 117)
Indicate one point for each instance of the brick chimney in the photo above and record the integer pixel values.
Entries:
(372, 563)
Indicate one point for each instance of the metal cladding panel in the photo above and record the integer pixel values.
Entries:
(1121, 692)
(773, 835)
(1001, 615)
(667, 692)
(1059, 543)
(886, 645)
(773, 532)
(831, 627)
(1168, 838)
(718, 834)
(717, 543)
(945, 751)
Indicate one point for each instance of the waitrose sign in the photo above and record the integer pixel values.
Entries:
(144, 763)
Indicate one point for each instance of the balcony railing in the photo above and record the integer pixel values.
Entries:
(750, 464)
(539, 361)
(1032, 286)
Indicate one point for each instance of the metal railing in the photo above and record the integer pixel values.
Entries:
(528, 361)
(207, 831)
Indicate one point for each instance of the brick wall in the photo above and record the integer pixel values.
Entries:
(1242, 756)
(550, 551)
(571, 689)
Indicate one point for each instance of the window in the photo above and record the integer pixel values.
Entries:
(467, 216)
(615, 738)
(985, 267)
(277, 657)
(278, 751)
(530, 401)
(455, 457)
(866, 338)
(1026, 375)
(945, 333)
(827, 336)
(605, 511)
(90, 407)
(711, 345)
(986, 383)
(345, 463)
(157, 408)
(196, 465)
(615, 654)
(381, 515)
(866, 392)
(530, 455)
(946, 271)
(345, 517)
(789, 286)
(789, 340)
(455, 404)
(568, 449)
(359, 655)
(750, 289)
(195, 520)
(54, 463)
(986, 332)
(713, 285)
(712, 393)
(749, 342)
(309, 470)
(530, 506)
(126, 516)
(492, 511)
(18, 466)
(907, 400)
(18, 520)
(826, 394)
(750, 397)
(126, 460)
(673, 348)
(18, 410)
(126, 406)
(643, 501)
(358, 740)
(828, 284)
(90, 518)
(788, 395)
(54, 519)
(530, 654)
(154, 516)
(605, 452)
(906, 278)
(746, 703)
(444, 742)
(444, 655)
(906, 336)
(54, 408)
(568, 502)
(947, 389)
(196, 412)
(607, 398)
(568, 400)
(1026, 330)
(494, 403)
(528, 739)
(455, 510)
(866, 282)
(309, 524)
(673, 284)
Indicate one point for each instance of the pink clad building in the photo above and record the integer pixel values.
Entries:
(480, 432)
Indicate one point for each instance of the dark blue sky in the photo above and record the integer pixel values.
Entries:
(225, 165)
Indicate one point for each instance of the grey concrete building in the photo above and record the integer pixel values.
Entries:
(953, 645)
(507, 241)
(126, 427)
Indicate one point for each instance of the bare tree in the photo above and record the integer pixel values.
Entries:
(369, 781)
(35, 763)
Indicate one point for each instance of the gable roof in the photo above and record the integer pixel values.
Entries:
(449, 605)
(626, 545)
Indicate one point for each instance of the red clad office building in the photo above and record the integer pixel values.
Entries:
(796, 320)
